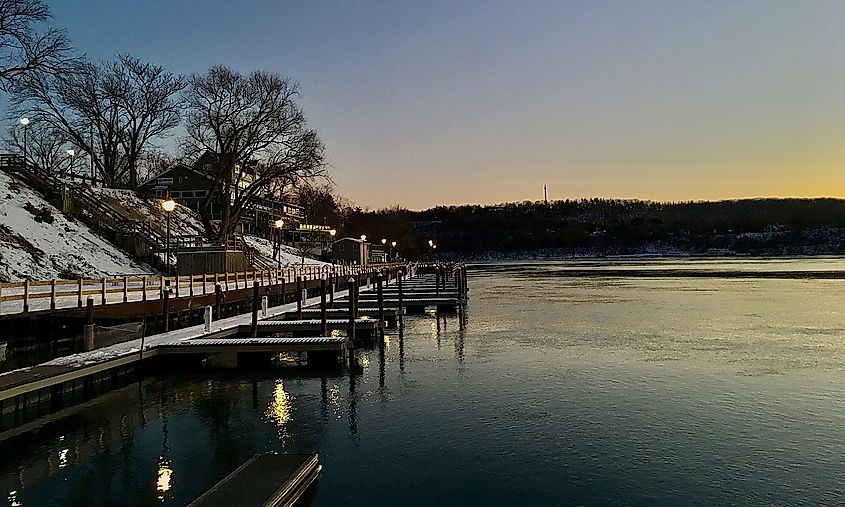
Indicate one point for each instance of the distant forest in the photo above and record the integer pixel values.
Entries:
(611, 227)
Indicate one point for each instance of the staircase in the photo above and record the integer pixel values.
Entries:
(94, 212)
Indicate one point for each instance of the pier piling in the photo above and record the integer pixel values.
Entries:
(352, 310)
(324, 326)
(254, 327)
(88, 332)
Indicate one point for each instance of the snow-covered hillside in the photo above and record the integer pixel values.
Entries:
(290, 256)
(38, 242)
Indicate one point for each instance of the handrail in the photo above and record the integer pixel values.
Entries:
(64, 293)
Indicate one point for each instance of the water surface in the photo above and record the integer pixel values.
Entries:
(559, 391)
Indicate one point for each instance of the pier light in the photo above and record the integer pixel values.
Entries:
(393, 244)
(71, 152)
(383, 241)
(168, 206)
(363, 237)
(332, 232)
(24, 121)
(279, 223)
(431, 242)
(434, 247)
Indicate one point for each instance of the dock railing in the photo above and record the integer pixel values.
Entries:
(38, 295)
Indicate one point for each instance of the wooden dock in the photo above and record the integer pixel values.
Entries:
(230, 337)
(266, 480)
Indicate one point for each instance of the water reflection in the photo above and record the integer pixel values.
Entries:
(279, 410)
(352, 406)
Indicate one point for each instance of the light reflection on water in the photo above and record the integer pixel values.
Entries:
(558, 391)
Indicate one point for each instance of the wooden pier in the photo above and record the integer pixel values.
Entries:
(334, 334)
(267, 480)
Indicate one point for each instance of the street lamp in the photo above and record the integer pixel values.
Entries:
(363, 237)
(279, 224)
(168, 206)
(25, 122)
(71, 152)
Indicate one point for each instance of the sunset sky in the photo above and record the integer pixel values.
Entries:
(451, 102)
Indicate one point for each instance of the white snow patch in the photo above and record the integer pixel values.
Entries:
(38, 242)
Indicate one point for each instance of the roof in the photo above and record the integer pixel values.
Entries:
(357, 240)
(164, 173)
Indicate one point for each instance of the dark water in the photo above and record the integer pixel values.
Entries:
(560, 391)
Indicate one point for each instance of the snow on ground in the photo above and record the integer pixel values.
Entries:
(37, 241)
(290, 256)
(183, 222)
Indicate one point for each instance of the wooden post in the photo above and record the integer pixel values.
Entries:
(165, 309)
(88, 331)
(125, 289)
(204, 282)
(79, 293)
(103, 286)
(437, 280)
(191, 285)
(401, 303)
(144, 288)
(380, 290)
(26, 295)
(332, 288)
(284, 299)
(299, 297)
(218, 299)
(177, 286)
(161, 287)
(254, 328)
(325, 327)
(53, 294)
(352, 310)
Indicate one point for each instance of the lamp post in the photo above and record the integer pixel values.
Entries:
(71, 152)
(279, 224)
(168, 206)
(25, 122)
(393, 249)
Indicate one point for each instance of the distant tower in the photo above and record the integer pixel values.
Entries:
(545, 195)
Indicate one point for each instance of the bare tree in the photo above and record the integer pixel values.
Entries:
(23, 49)
(145, 97)
(257, 134)
(111, 111)
(46, 146)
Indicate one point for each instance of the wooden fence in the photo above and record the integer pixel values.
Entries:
(58, 293)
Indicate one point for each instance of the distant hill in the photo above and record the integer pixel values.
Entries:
(617, 227)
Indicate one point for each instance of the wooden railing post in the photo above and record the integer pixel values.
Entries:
(177, 286)
(144, 288)
(26, 295)
(191, 286)
(53, 294)
(204, 281)
(103, 288)
(125, 289)
(79, 294)
(254, 328)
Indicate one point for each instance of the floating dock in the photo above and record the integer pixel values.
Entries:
(267, 480)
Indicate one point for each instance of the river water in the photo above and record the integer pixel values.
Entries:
(560, 390)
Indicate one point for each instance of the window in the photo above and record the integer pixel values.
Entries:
(159, 193)
(340, 247)
(200, 193)
(187, 193)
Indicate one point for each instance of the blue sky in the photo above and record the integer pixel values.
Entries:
(424, 103)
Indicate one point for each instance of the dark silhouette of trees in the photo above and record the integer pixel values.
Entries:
(256, 133)
(111, 111)
(25, 50)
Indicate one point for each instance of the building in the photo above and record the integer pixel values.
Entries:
(351, 251)
(378, 255)
(191, 185)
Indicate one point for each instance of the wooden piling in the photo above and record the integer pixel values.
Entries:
(352, 309)
(254, 329)
(324, 328)
(299, 297)
(53, 294)
(88, 330)
(79, 293)
(103, 289)
(380, 290)
(401, 306)
(165, 308)
(26, 295)
(218, 300)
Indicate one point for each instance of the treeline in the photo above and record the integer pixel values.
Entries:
(107, 118)
(615, 227)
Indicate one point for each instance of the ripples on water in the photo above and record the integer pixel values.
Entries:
(559, 391)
